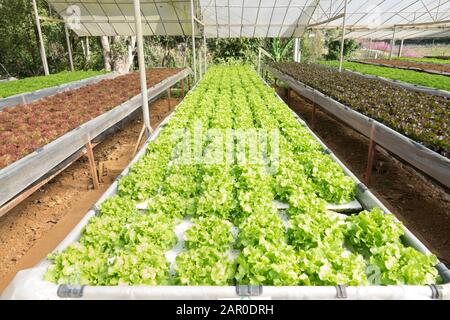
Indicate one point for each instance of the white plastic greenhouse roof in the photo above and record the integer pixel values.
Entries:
(377, 18)
(260, 18)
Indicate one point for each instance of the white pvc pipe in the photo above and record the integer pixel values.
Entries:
(200, 63)
(204, 49)
(400, 49)
(69, 48)
(296, 50)
(194, 58)
(341, 58)
(392, 45)
(41, 40)
(259, 61)
(141, 60)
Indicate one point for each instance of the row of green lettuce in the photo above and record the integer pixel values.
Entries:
(10, 88)
(410, 76)
(124, 245)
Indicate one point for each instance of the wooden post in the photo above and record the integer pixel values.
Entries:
(92, 165)
(169, 96)
(189, 82)
(370, 155)
(182, 89)
(136, 147)
(41, 40)
(313, 116)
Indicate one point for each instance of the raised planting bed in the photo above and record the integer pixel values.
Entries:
(55, 128)
(27, 127)
(429, 81)
(202, 221)
(29, 97)
(424, 159)
(432, 68)
(421, 117)
(31, 84)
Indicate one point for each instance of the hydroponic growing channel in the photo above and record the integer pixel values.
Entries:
(195, 218)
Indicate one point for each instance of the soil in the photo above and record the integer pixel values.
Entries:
(421, 204)
(411, 64)
(36, 226)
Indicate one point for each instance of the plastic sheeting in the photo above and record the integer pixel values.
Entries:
(257, 18)
(376, 19)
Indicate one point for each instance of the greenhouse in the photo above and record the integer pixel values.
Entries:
(204, 150)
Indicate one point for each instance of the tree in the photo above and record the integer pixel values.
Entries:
(19, 43)
(280, 48)
(234, 49)
(334, 48)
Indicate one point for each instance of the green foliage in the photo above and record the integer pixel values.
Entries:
(279, 48)
(240, 49)
(399, 265)
(372, 229)
(204, 266)
(308, 231)
(209, 231)
(259, 228)
(424, 79)
(11, 88)
(425, 60)
(331, 265)
(269, 264)
(334, 48)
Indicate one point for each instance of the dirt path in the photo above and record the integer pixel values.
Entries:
(421, 205)
(35, 227)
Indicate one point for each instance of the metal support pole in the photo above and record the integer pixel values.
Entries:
(142, 73)
(392, 45)
(400, 49)
(296, 45)
(204, 49)
(41, 40)
(341, 58)
(69, 48)
(200, 69)
(194, 58)
(259, 61)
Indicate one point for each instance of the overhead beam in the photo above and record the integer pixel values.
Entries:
(431, 25)
(42, 18)
(315, 24)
